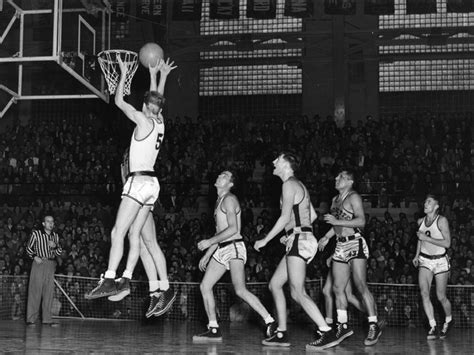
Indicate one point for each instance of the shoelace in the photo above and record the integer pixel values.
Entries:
(445, 327)
(321, 337)
(372, 330)
(100, 282)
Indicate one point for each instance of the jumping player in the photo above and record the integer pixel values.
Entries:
(348, 219)
(141, 189)
(226, 251)
(297, 216)
(434, 239)
(153, 261)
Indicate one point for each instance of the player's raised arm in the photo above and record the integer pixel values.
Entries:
(165, 69)
(126, 108)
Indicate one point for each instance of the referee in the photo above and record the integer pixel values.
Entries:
(43, 247)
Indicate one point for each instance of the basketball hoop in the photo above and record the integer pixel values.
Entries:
(110, 67)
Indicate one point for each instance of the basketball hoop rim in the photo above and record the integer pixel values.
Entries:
(103, 55)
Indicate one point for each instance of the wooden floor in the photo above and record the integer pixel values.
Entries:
(172, 337)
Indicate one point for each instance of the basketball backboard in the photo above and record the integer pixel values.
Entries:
(48, 49)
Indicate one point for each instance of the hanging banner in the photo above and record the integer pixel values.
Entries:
(224, 9)
(299, 8)
(120, 10)
(261, 9)
(187, 10)
(340, 7)
(379, 7)
(151, 10)
(460, 6)
(421, 7)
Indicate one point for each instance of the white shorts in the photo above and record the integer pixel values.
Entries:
(436, 266)
(233, 250)
(303, 245)
(143, 189)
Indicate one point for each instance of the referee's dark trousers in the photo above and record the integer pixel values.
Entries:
(41, 290)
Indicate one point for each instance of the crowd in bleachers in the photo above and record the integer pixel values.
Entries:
(398, 160)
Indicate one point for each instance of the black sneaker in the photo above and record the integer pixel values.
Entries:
(152, 304)
(343, 331)
(446, 327)
(270, 329)
(105, 288)
(123, 289)
(324, 340)
(279, 338)
(373, 335)
(212, 335)
(165, 301)
(432, 333)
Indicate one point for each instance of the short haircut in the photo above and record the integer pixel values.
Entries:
(350, 174)
(292, 159)
(154, 97)
(436, 198)
(234, 178)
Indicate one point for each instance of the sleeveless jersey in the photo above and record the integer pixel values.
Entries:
(143, 152)
(338, 211)
(431, 231)
(221, 219)
(301, 211)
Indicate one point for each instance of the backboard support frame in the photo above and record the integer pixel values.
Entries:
(56, 54)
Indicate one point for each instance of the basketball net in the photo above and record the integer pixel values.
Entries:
(111, 69)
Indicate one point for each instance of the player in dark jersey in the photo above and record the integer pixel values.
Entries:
(434, 238)
(297, 216)
(348, 219)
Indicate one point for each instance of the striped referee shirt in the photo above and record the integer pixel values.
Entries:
(38, 245)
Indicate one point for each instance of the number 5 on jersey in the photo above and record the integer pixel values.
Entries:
(159, 140)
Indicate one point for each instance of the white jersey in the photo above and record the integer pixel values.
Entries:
(143, 152)
(431, 231)
(221, 219)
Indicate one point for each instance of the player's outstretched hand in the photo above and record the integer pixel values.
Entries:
(123, 66)
(154, 69)
(167, 67)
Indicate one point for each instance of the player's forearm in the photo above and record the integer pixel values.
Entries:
(277, 228)
(119, 91)
(161, 85)
(153, 86)
(354, 223)
(223, 235)
(418, 247)
(439, 242)
(330, 233)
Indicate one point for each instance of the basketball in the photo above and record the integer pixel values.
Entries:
(150, 53)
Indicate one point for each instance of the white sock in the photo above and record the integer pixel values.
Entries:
(280, 330)
(109, 274)
(325, 328)
(268, 319)
(164, 285)
(127, 274)
(432, 323)
(213, 324)
(372, 319)
(342, 315)
(153, 285)
(329, 321)
(448, 319)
